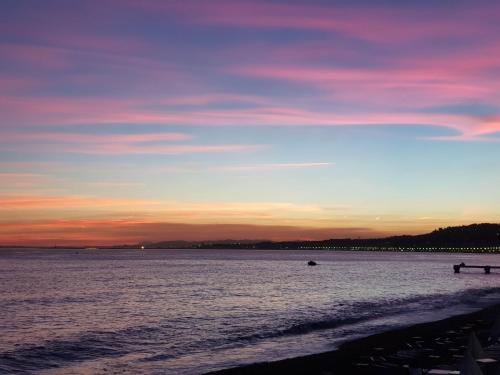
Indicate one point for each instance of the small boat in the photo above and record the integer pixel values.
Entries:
(311, 263)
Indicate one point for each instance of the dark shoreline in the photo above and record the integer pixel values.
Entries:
(455, 251)
(343, 360)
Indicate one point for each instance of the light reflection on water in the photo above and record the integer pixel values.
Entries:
(190, 311)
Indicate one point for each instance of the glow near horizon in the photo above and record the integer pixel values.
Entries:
(147, 120)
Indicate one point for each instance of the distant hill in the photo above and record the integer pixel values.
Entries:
(180, 244)
(475, 236)
(468, 235)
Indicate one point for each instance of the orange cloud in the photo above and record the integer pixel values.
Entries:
(92, 232)
(265, 213)
(13, 202)
(45, 220)
(92, 220)
(112, 232)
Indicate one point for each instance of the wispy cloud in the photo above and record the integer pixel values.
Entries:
(66, 202)
(272, 167)
(17, 181)
(401, 25)
(76, 112)
(112, 149)
(369, 87)
(95, 220)
(161, 210)
(95, 138)
(116, 144)
(212, 98)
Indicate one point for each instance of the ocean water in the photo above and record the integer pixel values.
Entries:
(193, 311)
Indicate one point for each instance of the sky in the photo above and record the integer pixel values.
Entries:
(138, 120)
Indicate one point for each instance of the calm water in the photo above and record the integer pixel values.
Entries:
(183, 311)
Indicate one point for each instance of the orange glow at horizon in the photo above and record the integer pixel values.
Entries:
(124, 221)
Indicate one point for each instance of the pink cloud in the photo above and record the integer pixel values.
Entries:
(132, 72)
(49, 109)
(489, 125)
(201, 100)
(116, 144)
(95, 138)
(380, 24)
(78, 110)
(464, 138)
(410, 86)
(65, 111)
(483, 131)
(279, 116)
(388, 95)
(114, 149)
(36, 56)
(90, 42)
(10, 85)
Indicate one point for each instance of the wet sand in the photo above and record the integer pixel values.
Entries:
(440, 344)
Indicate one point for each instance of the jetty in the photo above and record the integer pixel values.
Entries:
(487, 269)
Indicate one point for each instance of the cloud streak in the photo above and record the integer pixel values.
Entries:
(402, 25)
(272, 167)
(116, 144)
(84, 221)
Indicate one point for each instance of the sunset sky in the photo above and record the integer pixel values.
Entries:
(123, 120)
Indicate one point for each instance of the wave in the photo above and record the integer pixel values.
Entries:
(102, 344)
(364, 311)
(352, 314)
(57, 353)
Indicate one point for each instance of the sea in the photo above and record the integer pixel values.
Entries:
(66, 311)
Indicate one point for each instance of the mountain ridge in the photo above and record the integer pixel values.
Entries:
(480, 235)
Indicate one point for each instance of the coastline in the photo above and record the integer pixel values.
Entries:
(351, 356)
